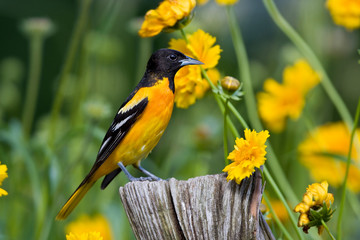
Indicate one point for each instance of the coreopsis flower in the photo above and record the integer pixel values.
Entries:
(280, 101)
(316, 199)
(320, 153)
(189, 84)
(345, 12)
(84, 236)
(91, 227)
(166, 15)
(226, 2)
(249, 153)
(3, 175)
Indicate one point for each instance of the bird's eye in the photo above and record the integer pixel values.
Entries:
(172, 57)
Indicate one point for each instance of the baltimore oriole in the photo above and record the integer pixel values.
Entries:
(137, 126)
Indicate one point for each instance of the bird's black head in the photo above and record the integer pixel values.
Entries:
(166, 62)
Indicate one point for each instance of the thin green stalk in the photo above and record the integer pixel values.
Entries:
(282, 199)
(243, 65)
(244, 68)
(343, 190)
(327, 229)
(225, 133)
(276, 218)
(36, 53)
(220, 103)
(311, 57)
(70, 57)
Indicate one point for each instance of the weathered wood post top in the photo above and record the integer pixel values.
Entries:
(206, 207)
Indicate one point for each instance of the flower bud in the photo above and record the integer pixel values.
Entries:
(230, 84)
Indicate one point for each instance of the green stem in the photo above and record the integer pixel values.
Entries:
(311, 57)
(70, 57)
(343, 190)
(282, 199)
(225, 133)
(243, 65)
(276, 218)
(36, 52)
(327, 229)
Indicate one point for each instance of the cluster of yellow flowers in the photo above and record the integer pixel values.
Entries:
(320, 153)
(189, 84)
(345, 12)
(3, 175)
(249, 153)
(168, 13)
(314, 198)
(280, 101)
(85, 227)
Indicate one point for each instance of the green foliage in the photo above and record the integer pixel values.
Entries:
(49, 155)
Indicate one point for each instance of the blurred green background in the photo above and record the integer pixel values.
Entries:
(45, 167)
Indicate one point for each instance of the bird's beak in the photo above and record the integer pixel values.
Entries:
(190, 61)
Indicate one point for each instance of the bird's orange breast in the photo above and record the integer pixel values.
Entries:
(147, 130)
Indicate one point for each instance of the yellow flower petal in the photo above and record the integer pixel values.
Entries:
(189, 85)
(86, 226)
(84, 236)
(226, 2)
(165, 15)
(280, 101)
(322, 140)
(345, 12)
(248, 154)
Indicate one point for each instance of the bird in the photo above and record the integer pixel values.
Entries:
(137, 126)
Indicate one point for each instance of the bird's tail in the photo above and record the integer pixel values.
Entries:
(75, 199)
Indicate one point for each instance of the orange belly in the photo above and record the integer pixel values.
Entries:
(147, 130)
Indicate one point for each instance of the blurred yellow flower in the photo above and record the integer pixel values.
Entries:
(189, 84)
(278, 208)
(226, 2)
(84, 236)
(249, 153)
(279, 101)
(90, 226)
(3, 175)
(319, 150)
(345, 12)
(201, 2)
(202, 87)
(168, 13)
(316, 194)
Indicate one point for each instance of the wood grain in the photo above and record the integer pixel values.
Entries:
(206, 207)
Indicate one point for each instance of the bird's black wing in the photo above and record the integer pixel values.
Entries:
(120, 126)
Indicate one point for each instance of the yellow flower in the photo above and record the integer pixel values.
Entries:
(202, 87)
(84, 236)
(226, 2)
(278, 208)
(316, 150)
(314, 198)
(249, 153)
(86, 226)
(3, 175)
(189, 84)
(168, 13)
(280, 101)
(345, 12)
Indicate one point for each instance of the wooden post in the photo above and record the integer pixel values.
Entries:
(206, 207)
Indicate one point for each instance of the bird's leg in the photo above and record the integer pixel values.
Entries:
(131, 177)
(146, 172)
